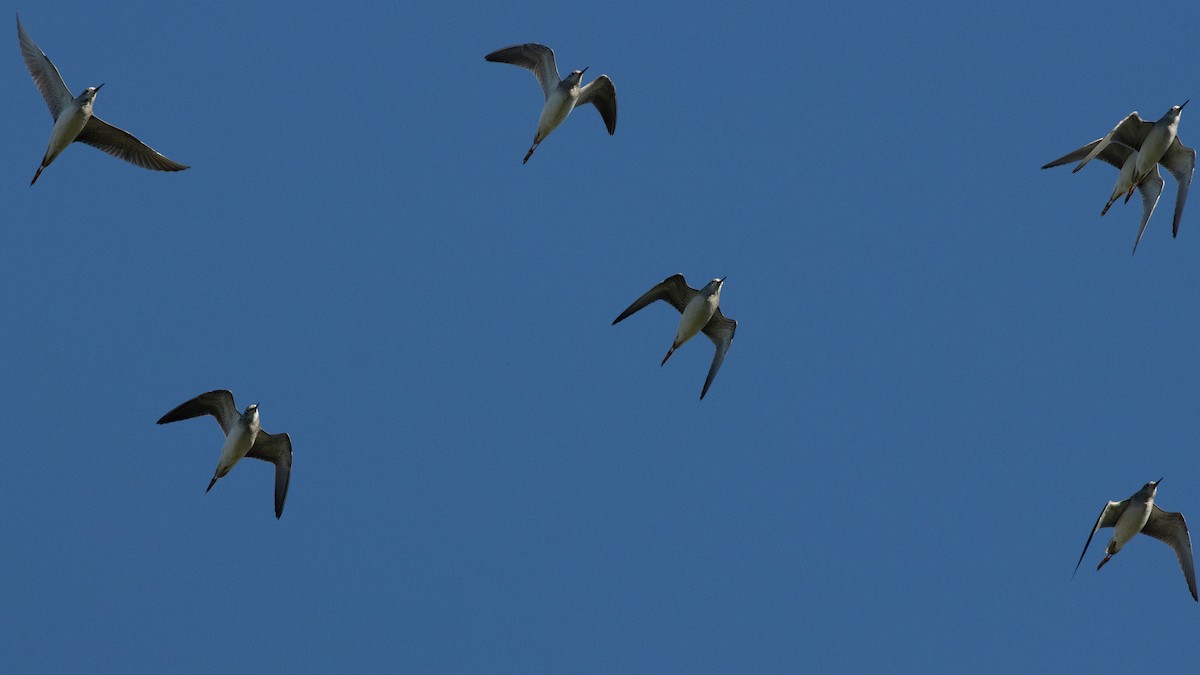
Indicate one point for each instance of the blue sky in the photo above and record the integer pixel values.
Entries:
(946, 360)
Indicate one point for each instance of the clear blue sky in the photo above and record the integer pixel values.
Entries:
(946, 360)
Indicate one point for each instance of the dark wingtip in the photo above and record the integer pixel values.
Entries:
(210, 484)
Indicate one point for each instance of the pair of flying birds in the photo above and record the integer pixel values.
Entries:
(700, 309)
(74, 119)
(244, 436)
(1136, 147)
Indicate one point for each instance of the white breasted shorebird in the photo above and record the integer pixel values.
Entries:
(1125, 159)
(1155, 143)
(1139, 513)
(701, 312)
(562, 95)
(73, 118)
(243, 438)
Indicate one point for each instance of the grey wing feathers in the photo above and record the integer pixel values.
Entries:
(1151, 189)
(1114, 153)
(45, 75)
(124, 145)
(720, 330)
(1074, 155)
(1180, 162)
(1108, 518)
(535, 57)
(1131, 131)
(602, 94)
(1171, 529)
(276, 449)
(218, 403)
(673, 290)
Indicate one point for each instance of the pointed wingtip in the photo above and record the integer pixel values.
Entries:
(210, 484)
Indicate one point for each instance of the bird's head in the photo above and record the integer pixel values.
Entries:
(89, 94)
(1177, 110)
(1150, 488)
(714, 286)
(577, 75)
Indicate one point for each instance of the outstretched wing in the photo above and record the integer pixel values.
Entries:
(1151, 189)
(276, 449)
(1180, 162)
(1131, 131)
(1171, 529)
(1108, 518)
(535, 57)
(720, 330)
(218, 403)
(124, 145)
(673, 290)
(45, 75)
(601, 93)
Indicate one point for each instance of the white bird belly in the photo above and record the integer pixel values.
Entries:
(695, 317)
(557, 107)
(66, 129)
(1132, 520)
(1153, 149)
(237, 444)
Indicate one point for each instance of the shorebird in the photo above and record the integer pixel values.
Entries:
(562, 96)
(1125, 159)
(243, 438)
(73, 118)
(701, 312)
(1156, 143)
(1139, 513)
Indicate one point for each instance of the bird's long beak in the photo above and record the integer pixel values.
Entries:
(99, 85)
(724, 278)
(1183, 104)
(1157, 482)
(586, 67)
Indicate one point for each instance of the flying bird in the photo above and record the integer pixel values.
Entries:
(73, 118)
(1125, 159)
(562, 95)
(701, 312)
(243, 438)
(1139, 513)
(1156, 143)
